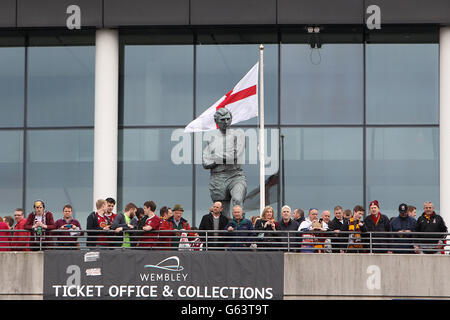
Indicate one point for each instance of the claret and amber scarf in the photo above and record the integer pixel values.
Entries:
(354, 237)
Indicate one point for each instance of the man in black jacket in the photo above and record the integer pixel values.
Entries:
(288, 239)
(378, 222)
(97, 221)
(429, 221)
(336, 225)
(214, 220)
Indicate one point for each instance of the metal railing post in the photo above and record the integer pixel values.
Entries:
(289, 241)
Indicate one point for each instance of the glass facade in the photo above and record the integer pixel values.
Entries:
(402, 83)
(158, 78)
(59, 170)
(147, 170)
(322, 86)
(11, 170)
(402, 166)
(323, 167)
(347, 123)
(47, 122)
(12, 84)
(61, 86)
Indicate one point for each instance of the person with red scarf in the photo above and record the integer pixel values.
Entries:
(377, 222)
(433, 226)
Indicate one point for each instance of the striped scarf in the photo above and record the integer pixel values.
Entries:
(42, 218)
(355, 237)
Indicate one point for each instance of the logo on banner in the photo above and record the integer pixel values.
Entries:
(168, 267)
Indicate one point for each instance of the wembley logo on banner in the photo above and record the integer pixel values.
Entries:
(171, 267)
(242, 101)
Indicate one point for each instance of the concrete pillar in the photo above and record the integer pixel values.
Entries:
(444, 123)
(106, 113)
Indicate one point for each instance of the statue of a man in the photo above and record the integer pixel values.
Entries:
(223, 156)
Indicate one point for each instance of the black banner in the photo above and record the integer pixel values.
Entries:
(163, 275)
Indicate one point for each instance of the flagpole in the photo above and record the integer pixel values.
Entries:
(262, 191)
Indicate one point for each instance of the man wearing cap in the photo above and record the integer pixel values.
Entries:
(177, 222)
(403, 224)
(376, 222)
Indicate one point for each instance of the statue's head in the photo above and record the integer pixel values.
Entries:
(223, 118)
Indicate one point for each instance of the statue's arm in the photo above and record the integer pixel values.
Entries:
(207, 159)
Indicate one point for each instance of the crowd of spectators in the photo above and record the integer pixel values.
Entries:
(350, 231)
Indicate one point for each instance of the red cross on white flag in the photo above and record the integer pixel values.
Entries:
(242, 101)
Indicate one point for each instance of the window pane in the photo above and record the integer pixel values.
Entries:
(322, 86)
(158, 84)
(324, 167)
(11, 171)
(221, 67)
(60, 170)
(12, 79)
(150, 168)
(61, 86)
(402, 166)
(402, 83)
(251, 170)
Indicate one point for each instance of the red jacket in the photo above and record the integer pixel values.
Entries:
(150, 238)
(5, 236)
(164, 242)
(46, 240)
(20, 241)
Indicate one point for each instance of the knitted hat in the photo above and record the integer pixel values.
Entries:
(374, 202)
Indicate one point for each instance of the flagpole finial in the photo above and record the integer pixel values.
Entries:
(261, 47)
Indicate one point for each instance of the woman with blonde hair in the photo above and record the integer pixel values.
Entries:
(267, 223)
